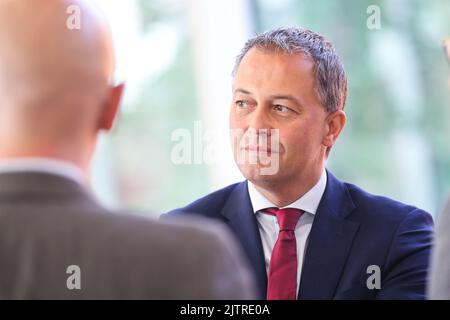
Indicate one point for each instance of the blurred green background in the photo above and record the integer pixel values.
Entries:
(176, 57)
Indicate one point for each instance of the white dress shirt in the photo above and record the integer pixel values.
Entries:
(46, 165)
(268, 224)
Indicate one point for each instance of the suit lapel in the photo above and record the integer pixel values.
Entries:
(238, 211)
(329, 242)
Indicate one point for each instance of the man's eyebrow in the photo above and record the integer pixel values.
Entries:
(286, 97)
(242, 91)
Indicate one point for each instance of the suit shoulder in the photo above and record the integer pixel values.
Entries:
(209, 205)
(381, 207)
(142, 236)
(173, 273)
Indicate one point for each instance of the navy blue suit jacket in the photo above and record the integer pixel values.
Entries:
(352, 230)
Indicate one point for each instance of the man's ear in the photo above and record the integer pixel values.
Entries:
(335, 122)
(111, 107)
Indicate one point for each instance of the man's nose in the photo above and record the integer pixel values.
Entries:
(260, 120)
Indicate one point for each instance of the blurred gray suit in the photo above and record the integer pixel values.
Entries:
(48, 223)
(440, 265)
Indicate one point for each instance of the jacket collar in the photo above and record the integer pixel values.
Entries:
(329, 242)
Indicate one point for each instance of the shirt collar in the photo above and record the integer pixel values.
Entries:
(307, 203)
(45, 165)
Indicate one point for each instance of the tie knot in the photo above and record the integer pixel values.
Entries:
(287, 218)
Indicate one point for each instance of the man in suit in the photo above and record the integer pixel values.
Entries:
(307, 234)
(439, 288)
(56, 240)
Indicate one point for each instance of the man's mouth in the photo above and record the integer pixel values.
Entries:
(259, 149)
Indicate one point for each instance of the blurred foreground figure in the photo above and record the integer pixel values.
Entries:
(56, 241)
(440, 266)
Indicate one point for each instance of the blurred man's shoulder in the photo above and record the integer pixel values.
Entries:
(173, 248)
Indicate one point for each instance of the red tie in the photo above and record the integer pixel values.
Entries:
(282, 282)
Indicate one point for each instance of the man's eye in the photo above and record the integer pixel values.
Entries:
(241, 104)
(281, 108)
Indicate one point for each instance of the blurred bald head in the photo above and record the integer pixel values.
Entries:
(54, 78)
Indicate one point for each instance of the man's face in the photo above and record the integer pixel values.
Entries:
(277, 91)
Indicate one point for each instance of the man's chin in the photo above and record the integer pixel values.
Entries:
(256, 174)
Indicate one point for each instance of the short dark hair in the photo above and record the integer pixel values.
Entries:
(331, 81)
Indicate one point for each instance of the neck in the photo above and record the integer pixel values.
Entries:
(284, 193)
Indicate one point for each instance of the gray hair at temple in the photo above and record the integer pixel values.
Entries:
(331, 81)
